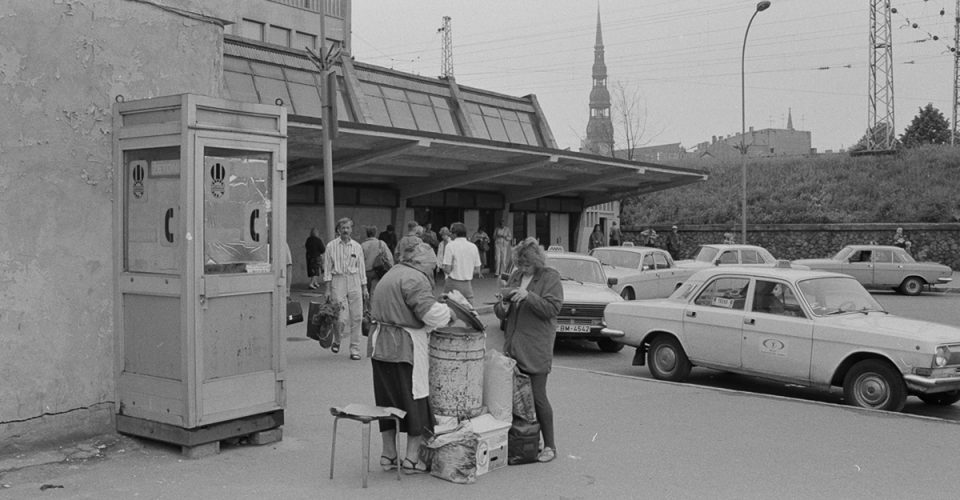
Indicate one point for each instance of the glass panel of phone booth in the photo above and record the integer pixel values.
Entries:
(237, 316)
(151, 218)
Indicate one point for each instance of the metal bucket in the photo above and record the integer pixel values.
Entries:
(456, 372)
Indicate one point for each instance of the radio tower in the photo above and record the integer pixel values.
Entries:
(446, 69)
(880, 123)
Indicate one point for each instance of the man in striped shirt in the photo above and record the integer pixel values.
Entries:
(346, 277)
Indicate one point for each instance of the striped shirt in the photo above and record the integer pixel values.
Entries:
(344, 259)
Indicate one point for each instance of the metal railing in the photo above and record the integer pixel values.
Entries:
(333, 8)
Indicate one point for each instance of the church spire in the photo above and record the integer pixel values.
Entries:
(599, 138)
(789, 119)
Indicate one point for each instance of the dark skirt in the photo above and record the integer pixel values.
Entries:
(313, 266)
(393, 386)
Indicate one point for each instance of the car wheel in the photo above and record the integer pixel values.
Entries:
(911, 286)
(627, 294)
(666, 359)
(873, 383)
(608, 345)
(940, 399)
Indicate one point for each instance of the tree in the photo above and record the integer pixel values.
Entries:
(928, 127)
(630, 118)
(879, 135)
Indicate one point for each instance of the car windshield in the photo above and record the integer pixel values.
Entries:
(616, 258)
(843, 254)
(837, 295)
(706, 254)
(584, 271)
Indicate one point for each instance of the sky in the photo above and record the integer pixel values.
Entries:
(808, 57)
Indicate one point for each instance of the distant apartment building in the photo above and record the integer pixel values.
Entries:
(760, 143)
(660, 153)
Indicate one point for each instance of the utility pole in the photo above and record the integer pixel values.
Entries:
(328, 117)
(446, 66)
(880, 91)
(956, 71)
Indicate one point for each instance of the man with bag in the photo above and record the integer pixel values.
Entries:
(344, 271)
(377, 257)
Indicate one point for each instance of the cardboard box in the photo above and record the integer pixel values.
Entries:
(492, 445)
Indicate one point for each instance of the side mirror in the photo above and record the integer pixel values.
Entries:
(611, 282)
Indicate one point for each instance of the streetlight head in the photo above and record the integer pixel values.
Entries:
(762, 6)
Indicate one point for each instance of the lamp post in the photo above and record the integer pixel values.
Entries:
(761, 6)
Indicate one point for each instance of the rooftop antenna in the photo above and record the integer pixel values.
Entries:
(446, 69)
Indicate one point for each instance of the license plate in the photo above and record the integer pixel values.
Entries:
(573, 328)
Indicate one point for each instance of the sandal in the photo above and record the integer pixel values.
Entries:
(546, 455)
(387, 463)
(413, 468)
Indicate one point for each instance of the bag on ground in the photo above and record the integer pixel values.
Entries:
(453, 455)
(523, 442)
(498, 384)
(523, 407)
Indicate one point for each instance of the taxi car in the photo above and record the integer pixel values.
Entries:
(641, 272)
(806, 327)
(884, 267)
(586, 292)
(729, 255)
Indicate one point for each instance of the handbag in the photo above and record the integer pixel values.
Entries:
(294, 311)
(324, 323)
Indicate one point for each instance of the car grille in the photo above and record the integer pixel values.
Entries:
(582, 311)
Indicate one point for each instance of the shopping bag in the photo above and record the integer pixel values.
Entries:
(324, 324)
(453, 455)
(381, 263)
(498, 384)
(294, 311)
(523, 407)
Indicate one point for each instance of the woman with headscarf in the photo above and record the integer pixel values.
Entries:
(404, 305)
(530, 308)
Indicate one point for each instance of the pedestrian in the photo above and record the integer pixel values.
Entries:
(373, 248)
(530, 310)
(901, 240)
(411, 238)
(482, 241)
(615, 236)
(729, 238)
(461, 261)
(673, 242)
(649, 237)
(445, 237)
(345, 274)
(430, 237)
(406, 310)
(503, 240)
(596, 238)
(315, 249)
(389, 236)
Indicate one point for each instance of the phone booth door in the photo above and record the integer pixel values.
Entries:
(237, 341)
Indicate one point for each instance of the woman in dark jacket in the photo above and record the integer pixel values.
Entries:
(530, 309)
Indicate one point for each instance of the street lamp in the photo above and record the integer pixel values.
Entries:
(761, 6)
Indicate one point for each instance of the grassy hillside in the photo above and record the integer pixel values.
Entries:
(917, 185)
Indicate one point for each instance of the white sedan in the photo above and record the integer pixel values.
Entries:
(811, 328)
(641, 272)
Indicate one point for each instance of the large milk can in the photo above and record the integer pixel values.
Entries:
(456, 371)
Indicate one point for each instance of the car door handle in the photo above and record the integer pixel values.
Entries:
(691, 314)
(749, 321)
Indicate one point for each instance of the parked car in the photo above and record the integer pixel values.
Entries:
(884, 267)
(641, 272)
(586, 292)
(728, 255)
(805, 327)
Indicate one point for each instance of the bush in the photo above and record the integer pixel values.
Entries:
(915, 185)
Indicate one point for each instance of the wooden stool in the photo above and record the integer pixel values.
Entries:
(363, 414)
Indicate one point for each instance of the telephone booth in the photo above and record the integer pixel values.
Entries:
(200, 214)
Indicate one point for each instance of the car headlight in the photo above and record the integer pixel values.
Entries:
(942, 357)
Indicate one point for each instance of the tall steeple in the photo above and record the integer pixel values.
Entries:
(789, 118)
(599, 138)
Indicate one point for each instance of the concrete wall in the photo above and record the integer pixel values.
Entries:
(62, 63)
(931, 242)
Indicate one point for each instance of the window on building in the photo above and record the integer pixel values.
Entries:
(251, 29)
(301, 40)
(278, 35)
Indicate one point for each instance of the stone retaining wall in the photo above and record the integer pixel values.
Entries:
(931, 242)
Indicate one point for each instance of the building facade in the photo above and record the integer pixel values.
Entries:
(408, 148)
(768, 142)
